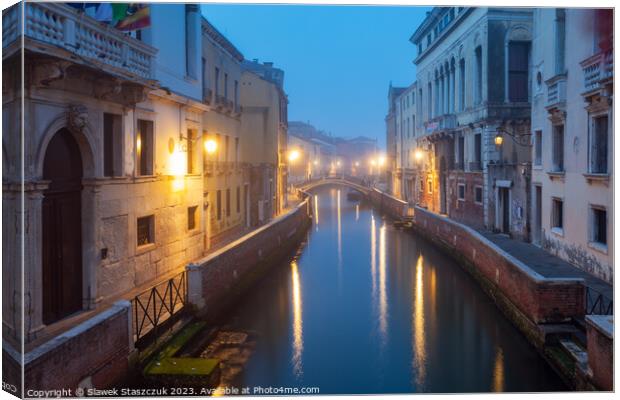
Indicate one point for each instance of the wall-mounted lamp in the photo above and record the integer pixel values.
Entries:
(499, 139)
(293, 155)
(210, 146)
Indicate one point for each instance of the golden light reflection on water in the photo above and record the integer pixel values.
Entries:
(498, 371)
(316, 212)
(298, 341)
(419, 339)
(373, 257)
(383, 307)
(339, 232)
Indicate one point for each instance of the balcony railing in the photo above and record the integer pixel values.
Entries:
(556, 91)
(440, 123)
(61, 27)
(597, 69)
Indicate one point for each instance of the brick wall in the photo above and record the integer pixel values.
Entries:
(539, 299)
(96, 350)
(215, 280)
(599, 331)
(388, 204)
(467, 211)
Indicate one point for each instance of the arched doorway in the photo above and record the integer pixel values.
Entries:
(62, 228)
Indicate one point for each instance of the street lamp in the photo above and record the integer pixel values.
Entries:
(293, 155)
(418, 154)
(499, 139)
(210, 146)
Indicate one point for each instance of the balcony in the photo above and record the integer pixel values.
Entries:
(61, 31)
(556, 92)
(439, 126)
(598, 70)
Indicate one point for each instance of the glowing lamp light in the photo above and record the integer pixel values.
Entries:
(210, 146)
(338, 163)
(373, 162)
(499, 139)
(381, 160)
(357, 163)
(418, 154)
(293, 155)
(139, 144)
(177, 163)
(316, 162)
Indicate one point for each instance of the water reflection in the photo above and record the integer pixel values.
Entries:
(498, 371)
(383, 306)
(419, 340)
(399, 317)
(298, 340)
(316, 212)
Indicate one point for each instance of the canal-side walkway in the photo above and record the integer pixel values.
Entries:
(547, 264)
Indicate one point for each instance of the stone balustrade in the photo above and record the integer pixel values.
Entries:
(556, 91)
(597, 69)
(52, 27)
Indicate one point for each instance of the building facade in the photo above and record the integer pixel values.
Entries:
(263, 145)
(405, 144)
(120, 190)
(390, 140)
(473, 80)
(572, 127)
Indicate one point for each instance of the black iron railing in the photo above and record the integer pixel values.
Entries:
(162, 304)
(597, 303)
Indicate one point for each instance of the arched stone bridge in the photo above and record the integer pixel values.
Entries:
(353, 183)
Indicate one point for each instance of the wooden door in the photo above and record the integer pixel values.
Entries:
(62, 228)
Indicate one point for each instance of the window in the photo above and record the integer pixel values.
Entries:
(429, 114)
(236, 94)
(558, 148)
(538, 148)
(518, 66)
(430, 185)
(598, 145)
(144, 148)
(217, 81)
(238, 199)
(428, 40)
(461, 191)
(112, 145)
(421, 185)
(191, 142)
(218, 140)
(462, 84)
(598, 227)
(204, 77)
(478, 92)
(191, 218)
(560, 39)
(226, 85)
(461, 155)
(557, 213)
(236, 150)
(477, 151)
(145, 231)
(478, 194)
(218, 205)
(228, 202)
(226, 147)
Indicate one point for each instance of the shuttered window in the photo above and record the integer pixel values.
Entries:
(518, 63)
(598, 145)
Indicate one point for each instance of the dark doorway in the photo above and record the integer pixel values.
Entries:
(504, 209)
(538, 215)
(62, 228)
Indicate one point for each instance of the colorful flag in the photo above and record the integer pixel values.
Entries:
(136, 16)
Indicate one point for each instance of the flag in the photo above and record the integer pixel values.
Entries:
(136, 16)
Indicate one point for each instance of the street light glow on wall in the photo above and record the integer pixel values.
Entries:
(210, 146)
(293, 155)
(418, 154)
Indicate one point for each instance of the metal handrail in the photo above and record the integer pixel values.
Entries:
(597, 303)
(158, 305)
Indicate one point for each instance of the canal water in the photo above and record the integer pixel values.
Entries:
(368, 308)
